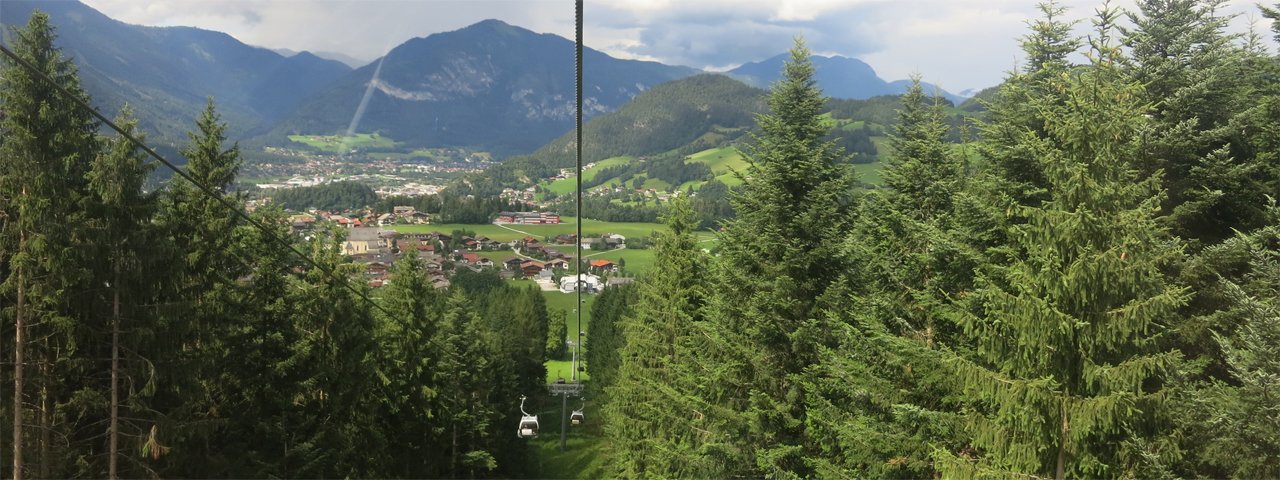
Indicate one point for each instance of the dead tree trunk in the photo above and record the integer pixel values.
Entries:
(114, 431)
(19, 341)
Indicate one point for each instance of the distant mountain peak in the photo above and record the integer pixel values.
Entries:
(490, 85)
(839, 76)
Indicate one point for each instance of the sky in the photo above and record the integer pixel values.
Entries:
(957, 44)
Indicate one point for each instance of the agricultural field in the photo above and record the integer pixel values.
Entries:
(639, 262)
(723, 163)
(568, 185)
(342, 143)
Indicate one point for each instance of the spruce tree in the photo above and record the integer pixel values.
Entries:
(121, 215)
(1015, 170)
(1206, 90)
(334, 430)
(777, 259)
(923, 173)
(606, 339)
(881, 395)
(49, 143)
(1066, 333)
(410, 359)
(203, 298)
(651, 414)
(465, 413)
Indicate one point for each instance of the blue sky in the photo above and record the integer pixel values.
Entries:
(957, 44)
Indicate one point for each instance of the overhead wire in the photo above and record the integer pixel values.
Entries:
(577, 355)
(202, 187)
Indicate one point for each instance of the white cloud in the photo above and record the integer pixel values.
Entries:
(956, 43)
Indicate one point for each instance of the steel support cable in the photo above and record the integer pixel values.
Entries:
(203, 188)
(578, 133)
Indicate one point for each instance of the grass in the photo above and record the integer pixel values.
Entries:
(639, 262)
(557, 300)
(869, 172)
(342, 143)
(723, 163)
(557, 369)
(583, 456)
(568, 185)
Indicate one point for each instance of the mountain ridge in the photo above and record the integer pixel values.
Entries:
(838, 76)
(490, 85)
(167, 73)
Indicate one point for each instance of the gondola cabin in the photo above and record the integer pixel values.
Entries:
(577, 418)
(528, 426)
(528, 423)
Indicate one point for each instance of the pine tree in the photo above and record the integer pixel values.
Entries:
(334, 430)
(1205, 89)
(1067, 359)
(557, 334)
(204, 298)
(651, 414)
(881, 396)
(1223, 410)
(777, 258)
(923, 173)
(606, 339)
(464, 390)
(1249, 412)
(1016, 171)
(49, 142)
(121, 220)
(409, 369)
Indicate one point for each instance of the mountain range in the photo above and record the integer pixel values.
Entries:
(839, 77)
(166, 73)
(490, 86)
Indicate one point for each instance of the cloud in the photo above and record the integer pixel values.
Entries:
(958, 44)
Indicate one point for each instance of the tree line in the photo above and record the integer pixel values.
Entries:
(1087, 290)
(155, 333)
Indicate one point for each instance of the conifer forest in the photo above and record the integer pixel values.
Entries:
(1082, 282)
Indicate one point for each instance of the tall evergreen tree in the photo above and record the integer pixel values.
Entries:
(465, 411)
(1068, 363)
(335, 432)
(924, 173)
(121, 221)
(777, 258)
(882, 398)
(409, 367)
(603, 347)
(49, 142)
(1017, 171)
(1206, 89)
(651, 419)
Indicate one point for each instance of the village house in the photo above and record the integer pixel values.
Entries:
(513, 264)
(615, 241)
(604, 266)
(619, 281)
(531, 267)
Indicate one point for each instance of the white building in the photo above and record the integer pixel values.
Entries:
(590, 283)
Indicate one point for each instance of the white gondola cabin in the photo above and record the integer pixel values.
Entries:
(528, 423)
